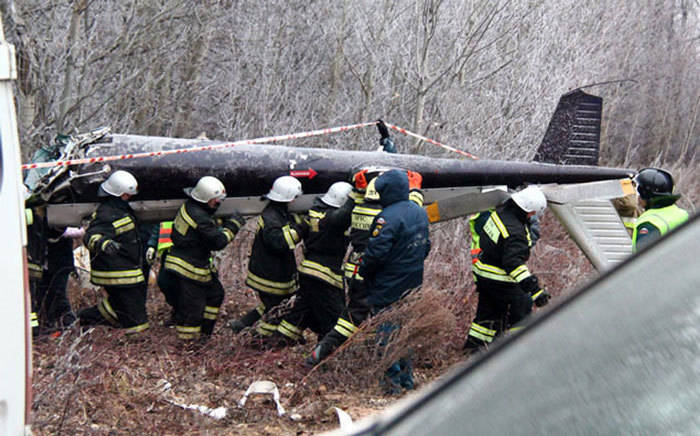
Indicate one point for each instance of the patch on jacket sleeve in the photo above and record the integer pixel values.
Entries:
(380, 223)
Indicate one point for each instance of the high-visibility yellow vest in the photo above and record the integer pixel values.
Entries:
(665, 219)
(164, 232)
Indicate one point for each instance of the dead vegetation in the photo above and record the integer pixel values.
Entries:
(100, 381)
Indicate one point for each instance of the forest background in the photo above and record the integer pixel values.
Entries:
(482, 76)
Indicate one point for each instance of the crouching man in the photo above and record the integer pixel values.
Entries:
(116, 258)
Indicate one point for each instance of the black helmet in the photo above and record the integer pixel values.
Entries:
(654, 182)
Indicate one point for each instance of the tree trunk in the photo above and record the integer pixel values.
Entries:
(66, 95)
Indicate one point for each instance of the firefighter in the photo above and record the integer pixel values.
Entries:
(116, 258)
(195, 234)
(477, 220)
(655, 189)
(272, 267)
(368, 208)
(36, 254)
(321, 297)
(506, 287)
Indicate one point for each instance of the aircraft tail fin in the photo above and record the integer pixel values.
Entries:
(573, 134)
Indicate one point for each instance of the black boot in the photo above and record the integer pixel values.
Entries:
(323, 349)
(91, 316)
(208, 327)
(247, 320)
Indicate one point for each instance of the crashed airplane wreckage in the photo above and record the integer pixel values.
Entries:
(452, 187)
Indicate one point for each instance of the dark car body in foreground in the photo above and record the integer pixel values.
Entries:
(621, 356)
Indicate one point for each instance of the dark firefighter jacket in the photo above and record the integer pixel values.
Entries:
(60, 251)
(504, 240)
(114, 220)
(399, 243)
(325, 241)
(37, 228)
(363, 215)
(272, 267)
(195, 234)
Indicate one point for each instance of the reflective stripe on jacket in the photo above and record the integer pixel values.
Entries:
(272, 267)
(36, 242)
(504, 241)
(195, 234)
(326, 241)
(114, 220)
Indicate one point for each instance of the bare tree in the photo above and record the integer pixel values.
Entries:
(483, 76)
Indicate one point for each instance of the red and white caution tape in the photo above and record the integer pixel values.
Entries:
(263, 140)
(431, 141)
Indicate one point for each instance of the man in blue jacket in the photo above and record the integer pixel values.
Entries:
(392, 263)
(398, 244)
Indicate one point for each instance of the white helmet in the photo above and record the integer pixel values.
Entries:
(337, 194)
(530, 199)
(285, 189)
(207, 188)
(120, 182)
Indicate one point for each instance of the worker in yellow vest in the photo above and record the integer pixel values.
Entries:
(655, 188)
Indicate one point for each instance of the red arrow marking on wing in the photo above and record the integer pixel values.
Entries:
(310, 173)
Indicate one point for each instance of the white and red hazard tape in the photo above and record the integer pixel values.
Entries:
(431, 141)
(263, 140)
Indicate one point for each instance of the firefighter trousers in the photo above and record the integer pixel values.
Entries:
(352, 315)
(317, 306)
(168, 285)
(499, 308)
(268, 326)
(54, 307)
(356, 310)
(197, 306)
(123, 307)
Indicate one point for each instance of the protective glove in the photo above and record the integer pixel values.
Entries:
(387, 145)
(383, 130)
(150, 255)
(541, 298)
(301, 229)
(111, 247)
(530, 284)
(234, 222)
(360, 180)
(533, 223)
(414, 180)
